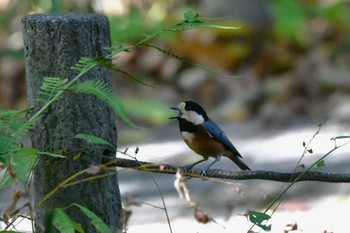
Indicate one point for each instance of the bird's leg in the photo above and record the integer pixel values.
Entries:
(204, 169)
(189, 167)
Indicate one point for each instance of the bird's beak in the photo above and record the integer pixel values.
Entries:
(176, 109)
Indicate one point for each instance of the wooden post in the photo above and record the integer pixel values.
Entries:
(53, 43)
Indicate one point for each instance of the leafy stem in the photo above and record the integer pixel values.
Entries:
(264, 216)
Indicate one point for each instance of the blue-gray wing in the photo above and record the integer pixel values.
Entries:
(215, 132)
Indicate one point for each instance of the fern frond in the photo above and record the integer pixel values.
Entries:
(50, 87)
(118, 48)
(13, 127)
(104, 93)
(22, 164)
(84, 64)
(88, 62)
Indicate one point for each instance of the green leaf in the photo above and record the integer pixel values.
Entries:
(193, 20)
(13, 127)
(101, 91)
(258, 218)
(84, 64)
(198, 24)
(321, 164)
(95, 221)
(62, 221)
(8, 144)
(50, 87)
(93, 139)
(190, 16)
(22, 164)
(341, 137)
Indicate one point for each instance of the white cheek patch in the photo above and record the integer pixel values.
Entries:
(187, 136)
(181, 106)
(190, 116)
(194, 117)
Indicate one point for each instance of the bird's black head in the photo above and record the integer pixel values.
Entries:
(191, 112)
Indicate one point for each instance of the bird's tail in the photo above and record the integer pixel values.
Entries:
(239, 162)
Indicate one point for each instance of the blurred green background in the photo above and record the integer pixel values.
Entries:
(289, 61)
(287, 65)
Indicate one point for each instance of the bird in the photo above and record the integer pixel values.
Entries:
(204, 136)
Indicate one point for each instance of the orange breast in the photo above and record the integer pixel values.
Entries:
(201, 143)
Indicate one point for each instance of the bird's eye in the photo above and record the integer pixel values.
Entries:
(188, 108)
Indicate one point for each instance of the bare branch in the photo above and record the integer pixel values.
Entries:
(236, 175)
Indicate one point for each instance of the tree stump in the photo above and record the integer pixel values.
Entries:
(53, 43)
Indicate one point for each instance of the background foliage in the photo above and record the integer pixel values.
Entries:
(295, 49)
(287, 68)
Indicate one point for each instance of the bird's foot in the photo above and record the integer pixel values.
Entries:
(204, 173)
(206, 168)
(187, 169)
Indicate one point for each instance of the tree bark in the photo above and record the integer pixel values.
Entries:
(53, 43)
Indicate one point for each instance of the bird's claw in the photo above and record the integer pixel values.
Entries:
(187, 169)
(204, 174)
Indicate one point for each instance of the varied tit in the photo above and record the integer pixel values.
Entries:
(205, 137)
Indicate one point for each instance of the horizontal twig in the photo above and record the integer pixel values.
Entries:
(234, 175)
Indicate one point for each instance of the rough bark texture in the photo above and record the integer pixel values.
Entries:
(53, 43)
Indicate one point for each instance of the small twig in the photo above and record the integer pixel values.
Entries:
(164, 205)
(292, 179)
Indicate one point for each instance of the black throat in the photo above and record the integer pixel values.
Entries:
(186, 126)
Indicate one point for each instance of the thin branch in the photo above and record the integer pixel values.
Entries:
(164, 205)
(234, 175)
